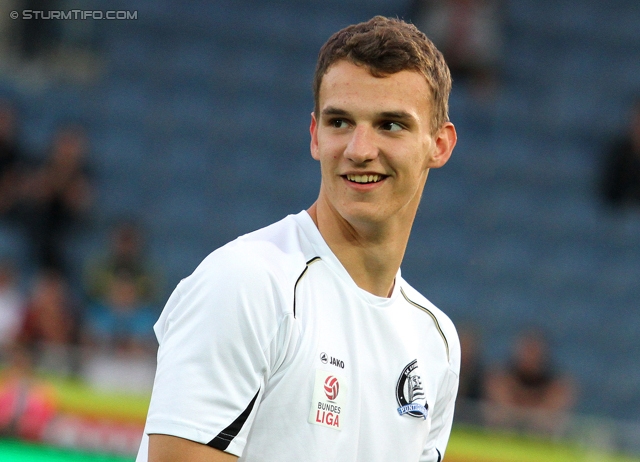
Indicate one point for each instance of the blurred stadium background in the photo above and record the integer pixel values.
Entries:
(197, 114)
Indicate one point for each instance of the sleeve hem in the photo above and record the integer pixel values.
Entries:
(188, 433)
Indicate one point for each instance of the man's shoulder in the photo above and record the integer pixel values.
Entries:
(278, 250)
(252, 273)
(443, 322)
(414, 297)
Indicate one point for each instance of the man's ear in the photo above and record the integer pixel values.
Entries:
(445, 139)
(313, 130)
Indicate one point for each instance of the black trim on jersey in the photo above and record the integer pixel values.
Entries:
(439, 455)
(435, 320)
(225, 437)
(295, 286)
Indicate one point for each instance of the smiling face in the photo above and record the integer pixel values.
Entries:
(375, 144)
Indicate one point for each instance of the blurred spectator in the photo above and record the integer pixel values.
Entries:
(126, 252)
(11, 305)
(58, 195)
(50, 328)
(12, 159)
(124, 321)
(529, 394)
(27, 404)
(468, 32)
(38, 36)
(471, 369)
(472, 377)
(621, 180)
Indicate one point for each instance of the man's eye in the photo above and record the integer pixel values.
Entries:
(338, 123)
(391, 126)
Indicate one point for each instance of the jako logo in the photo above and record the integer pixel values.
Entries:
(331, 388)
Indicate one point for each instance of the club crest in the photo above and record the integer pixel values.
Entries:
(410, 394)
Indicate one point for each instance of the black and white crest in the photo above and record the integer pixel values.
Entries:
(410, 394)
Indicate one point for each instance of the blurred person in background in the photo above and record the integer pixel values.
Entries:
(12, 309)
(472, 377)
(50, 327)
(125, 252)
(38, 37)
(12, 159)
(621, 172)
(123, 321)
(58, 195)
(122, 290)
(529, 393)
(469, 33)
(28, 403)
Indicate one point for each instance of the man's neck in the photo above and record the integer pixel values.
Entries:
(370, 253)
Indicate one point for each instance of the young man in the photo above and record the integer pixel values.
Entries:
(301, 341)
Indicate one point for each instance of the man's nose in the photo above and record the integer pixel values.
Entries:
(361, 147)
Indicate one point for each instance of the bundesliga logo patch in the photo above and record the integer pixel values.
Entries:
(329, 399)
(410, 394)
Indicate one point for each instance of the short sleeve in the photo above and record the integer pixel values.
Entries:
(219, 338)
(442, 418)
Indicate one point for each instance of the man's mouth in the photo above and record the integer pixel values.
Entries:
(364, 179)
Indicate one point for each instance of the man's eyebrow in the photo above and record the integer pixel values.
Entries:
(398, 115)
(395, 115)
(332, 111)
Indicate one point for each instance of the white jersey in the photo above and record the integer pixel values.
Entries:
(271, 352)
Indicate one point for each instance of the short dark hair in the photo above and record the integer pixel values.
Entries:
(386, 46)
